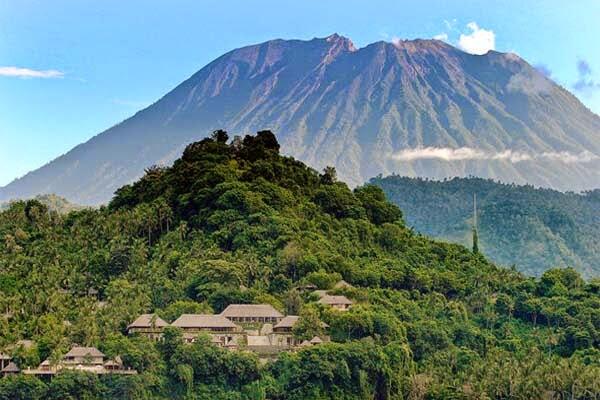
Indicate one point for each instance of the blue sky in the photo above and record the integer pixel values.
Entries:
(72, 68)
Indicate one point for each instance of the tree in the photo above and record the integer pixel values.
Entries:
(475, 241)
(329, 176)
(220, 136)
(309, 324)
(293, 302)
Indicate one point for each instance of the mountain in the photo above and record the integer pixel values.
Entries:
(417, 108)
(533, 229)
(237, 223)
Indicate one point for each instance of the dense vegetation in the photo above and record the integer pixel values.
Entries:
(533, 229)
(237, 222)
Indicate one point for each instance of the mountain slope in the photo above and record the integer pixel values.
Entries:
(53, 202)
(534, 229)
(357, 109)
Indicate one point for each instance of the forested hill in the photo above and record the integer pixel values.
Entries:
(532, 228)
(235, 222)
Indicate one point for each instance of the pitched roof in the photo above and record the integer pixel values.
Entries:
(11, 367)
(148, 321)
(316, 340)
(287, 322)
(5, 356)
(251, 310)
(115, 362)
(78, 351)
(26, 343)
(203, 321)
(342, 284)
(330, 300)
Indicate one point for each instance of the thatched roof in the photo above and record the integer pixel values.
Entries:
(342, 285)
(25, 343)
(291, 320)
(335, 300)
(251, 310)
(287, 322)
(115, 362)
(200, 321)
(84, 351)
(148, 321)
(11, 368)
(316, 340)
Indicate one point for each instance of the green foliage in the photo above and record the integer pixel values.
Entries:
(309, 325)
(533, 229)
(239, 223)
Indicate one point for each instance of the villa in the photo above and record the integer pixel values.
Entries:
(252, 313)
(341, 303)
(10, 369)
(85, 359)
(223, 332)
(149, 325)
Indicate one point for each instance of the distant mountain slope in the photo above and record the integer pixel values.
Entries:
(535, 229)
(384, 108)
(53, 202)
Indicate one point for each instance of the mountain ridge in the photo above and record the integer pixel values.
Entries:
(531, 228)
(355, 108)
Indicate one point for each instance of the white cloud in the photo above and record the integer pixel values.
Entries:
(396, 41)
(478, 41)
(30, 73)
(441, 36)
(469, 153)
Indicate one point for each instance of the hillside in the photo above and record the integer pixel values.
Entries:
(53, 202)
(415, 108)
(236, 222)
(531, 228)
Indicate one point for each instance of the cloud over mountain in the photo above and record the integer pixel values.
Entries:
(468, 154)
(478, 41)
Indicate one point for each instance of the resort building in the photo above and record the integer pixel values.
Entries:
(286, 324)
(252, 313)
(312, 342)
(341, 303)
(255, 327)
(86, 359)
(10, 369)
(342, 285)
(222, 330)
(83, 356)
(150, 325)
